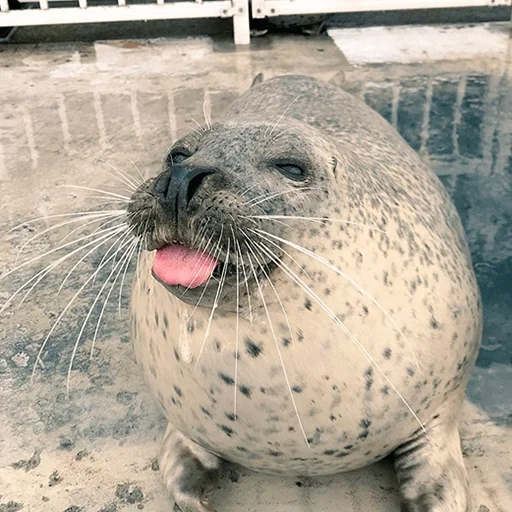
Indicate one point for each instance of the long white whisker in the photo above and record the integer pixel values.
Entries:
(79, 337)
(281, 117)
(46, 270)
(100, 191)
(264, 198)
(332, 315)
(137, 169)
(285, 373)
(320, 220)
(124, 176)
(103, 308)
(42, 274)
(215, 305)
(354, 283)
(95, 218)
(63, 312)
(60, 215)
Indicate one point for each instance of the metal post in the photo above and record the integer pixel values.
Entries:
(241, 22)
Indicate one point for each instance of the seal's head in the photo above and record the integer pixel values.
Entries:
(212, 213)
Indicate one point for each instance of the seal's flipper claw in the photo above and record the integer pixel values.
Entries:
(188, 472)
(430, 468)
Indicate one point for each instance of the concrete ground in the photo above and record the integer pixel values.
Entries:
(71, 111)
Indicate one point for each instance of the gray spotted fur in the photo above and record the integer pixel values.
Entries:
(359, 170)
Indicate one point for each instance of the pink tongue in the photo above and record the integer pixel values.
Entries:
(176, 264)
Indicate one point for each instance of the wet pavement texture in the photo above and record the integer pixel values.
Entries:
(69, 114)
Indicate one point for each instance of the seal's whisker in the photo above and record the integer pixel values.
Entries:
(285, 373)
(246, 190)
(273, 127)
(92, 189)
(121, 228)
(127, 266)
(237, 325)
(135, 166)
(104, 306)
(125, 177)
(52, 265)
(103, 224)
(42, 274)
(133, 244)
(207, 120)
(214, 306)
(257, 249)
(286, 269)
(216, 255)
(112, 200)
(267, 197)
(95, 218)
(354, 283)
(78, 215)
(62, 313)
(320, 220)
(202, 129)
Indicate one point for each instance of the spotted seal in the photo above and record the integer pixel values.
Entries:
(310, 306)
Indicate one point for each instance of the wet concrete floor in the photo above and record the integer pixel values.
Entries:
(68, 113)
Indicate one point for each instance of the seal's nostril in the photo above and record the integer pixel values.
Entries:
(193, 184)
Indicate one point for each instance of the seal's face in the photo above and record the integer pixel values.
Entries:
(209, 213)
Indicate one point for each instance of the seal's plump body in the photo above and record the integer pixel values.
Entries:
(360, 327)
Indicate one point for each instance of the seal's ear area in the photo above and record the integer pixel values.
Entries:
(334, 165)
(257, 79)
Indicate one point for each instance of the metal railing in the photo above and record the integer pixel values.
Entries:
(57, 12)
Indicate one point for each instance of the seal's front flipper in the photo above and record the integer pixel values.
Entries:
(430, 469)
(188, 471)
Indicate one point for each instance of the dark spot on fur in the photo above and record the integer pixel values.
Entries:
(434, 323)
(365, 310)
(178, 391)
(227, 430)
(387, 353)
(368, 375)
(252, 349)
(286, 342)
(308, 304)
(230, 416)
(300, 335)
(245, 391)
(348, 447)
(205, 411)
(166, 321)
(411, 371)
(329, 452)
(275, 453)
(190, 327)
(217, 345)
(157, 318)
(384, 390)
(227, 379)
(297, 389)
(176, 355)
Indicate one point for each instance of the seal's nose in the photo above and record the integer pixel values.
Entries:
(176, 187)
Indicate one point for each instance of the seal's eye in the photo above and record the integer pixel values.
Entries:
(292, 171)
(176, 156)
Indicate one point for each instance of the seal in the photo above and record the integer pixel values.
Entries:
(306, 304)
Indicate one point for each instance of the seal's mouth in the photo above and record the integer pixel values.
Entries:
(179, 265)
